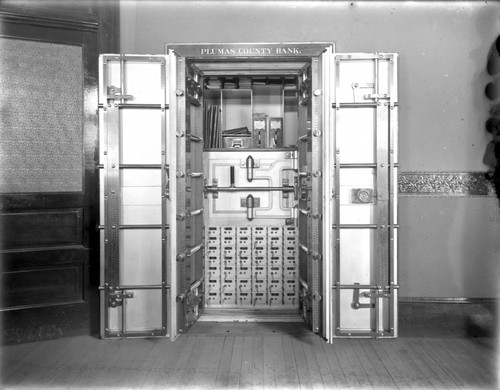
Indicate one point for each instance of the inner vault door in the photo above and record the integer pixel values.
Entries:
(185, 201)
(312, 208)
(364, 145)
(133, 180)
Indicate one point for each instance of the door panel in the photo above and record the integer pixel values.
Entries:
(133, 180)
(364, 274)
(141, 136)
(358, 144)
(235, 175)
(48, 178)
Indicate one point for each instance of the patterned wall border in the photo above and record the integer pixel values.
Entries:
(444, 184)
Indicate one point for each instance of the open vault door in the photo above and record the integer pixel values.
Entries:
(133, 189)
(362, 301)
(148, 225)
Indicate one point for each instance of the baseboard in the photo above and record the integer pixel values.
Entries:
(448, 300)
(448, 317)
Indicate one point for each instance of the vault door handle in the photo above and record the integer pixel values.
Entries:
(250, 166)
(250, 207)
(231, 175)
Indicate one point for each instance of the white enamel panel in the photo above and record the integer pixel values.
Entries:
(140, 141)
(140, 197)
(356, 135)
(143, 82)
(140, 257)
(356, 255)
(353, 319)
(356, 80)
(143, 312)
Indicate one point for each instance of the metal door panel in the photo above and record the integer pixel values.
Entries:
(135, 79)
(141, 206)
(356, 195)
(364, 276)
(143, 313)
(356, 80)
(356, 256)
(132, 180)
(140, 255)
(144, 82)
(228, 206)
(141, 197)
(270, 169)
(351, 319)
(356, 135)
(139, 315)
(141, 137)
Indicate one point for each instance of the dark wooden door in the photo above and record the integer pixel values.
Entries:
(48, 182)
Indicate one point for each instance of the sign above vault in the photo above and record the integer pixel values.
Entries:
(224, 50)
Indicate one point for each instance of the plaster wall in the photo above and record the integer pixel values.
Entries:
(448, 247)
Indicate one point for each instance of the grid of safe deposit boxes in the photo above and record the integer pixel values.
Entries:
(251, 267)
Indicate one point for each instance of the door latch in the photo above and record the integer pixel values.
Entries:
(372, 294)
(116, 297)
(355, 300)
(115, 93)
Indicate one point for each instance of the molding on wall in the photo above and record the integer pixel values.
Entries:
(447, 300)
(444, 184)
(80, 25)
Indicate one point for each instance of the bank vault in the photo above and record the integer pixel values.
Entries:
(253, 181)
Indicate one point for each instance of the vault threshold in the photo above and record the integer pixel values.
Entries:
(243, 315)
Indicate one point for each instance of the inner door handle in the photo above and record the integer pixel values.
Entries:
(250, 166)
(250, 206)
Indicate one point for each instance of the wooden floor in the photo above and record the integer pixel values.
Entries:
(252, 356)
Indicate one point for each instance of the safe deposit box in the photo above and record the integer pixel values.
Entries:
(248, 178)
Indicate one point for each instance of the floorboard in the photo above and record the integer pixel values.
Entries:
(257, 356)
(434, 373)
(233, 381)
(291, 374)
(160, 364)
(247, 363)
(269, 360)
(222, 379)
